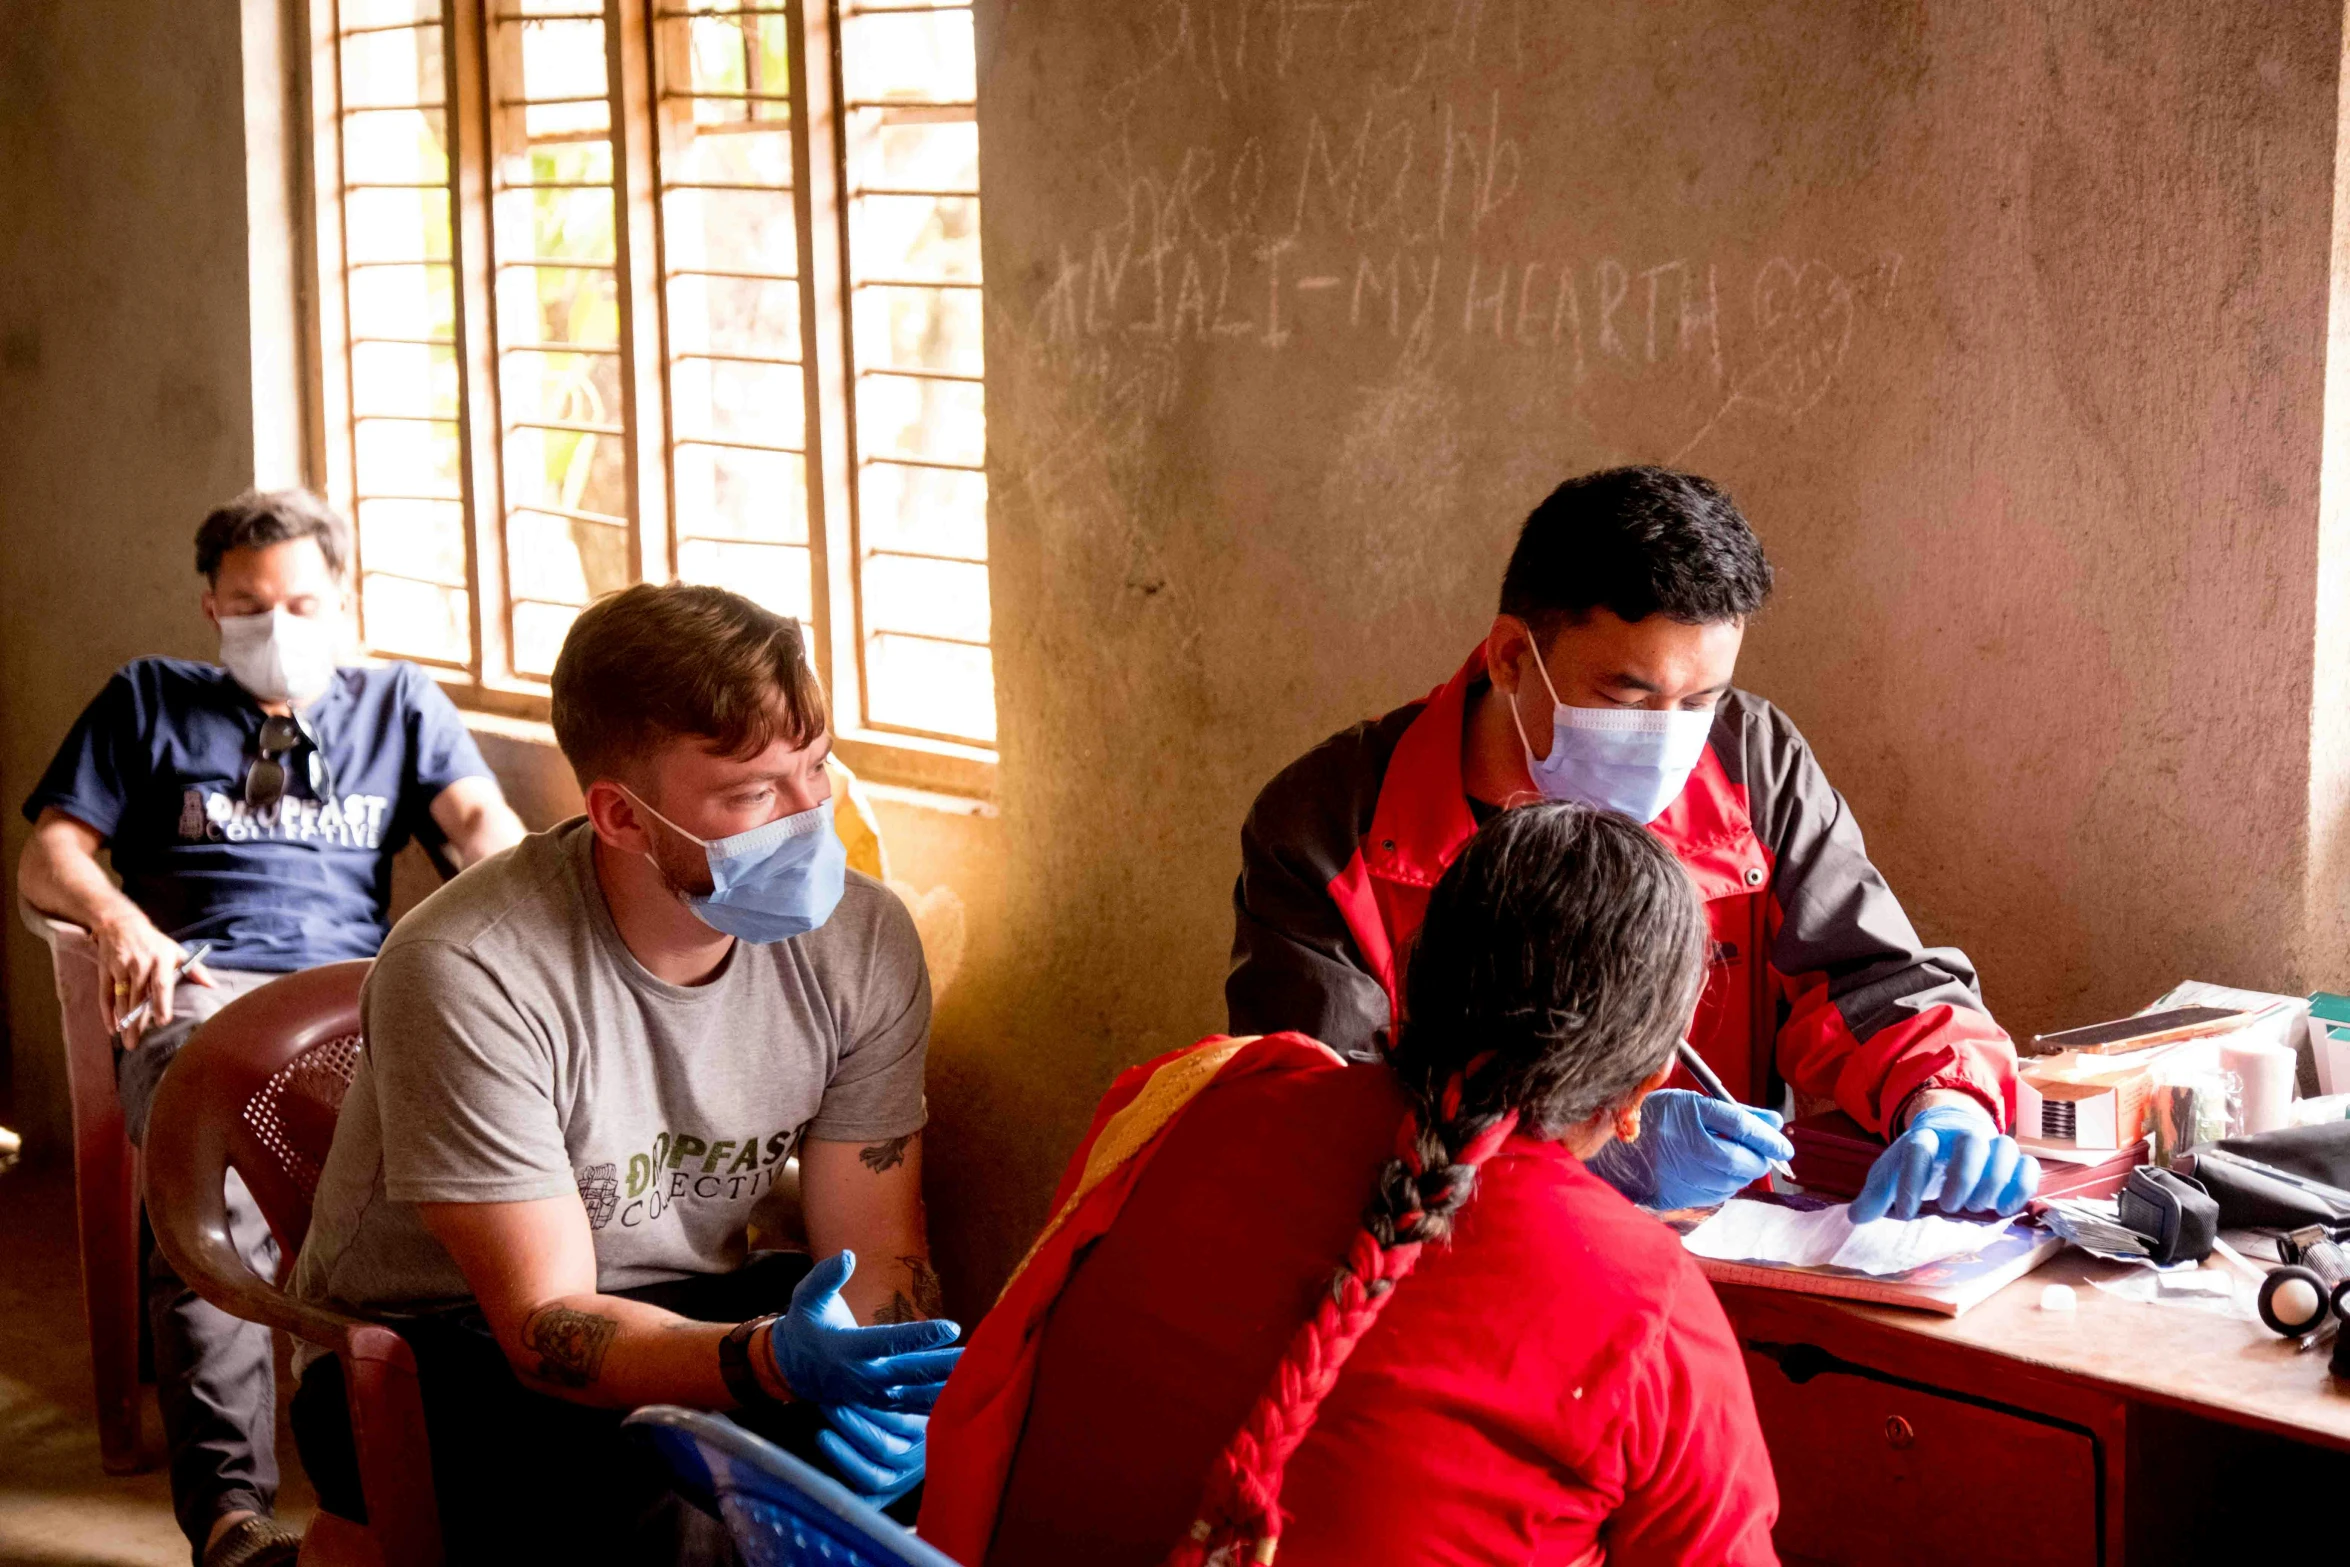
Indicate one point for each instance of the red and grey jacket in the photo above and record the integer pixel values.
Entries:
(1818, 981)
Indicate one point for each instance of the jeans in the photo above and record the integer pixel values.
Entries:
(524, 1477)
(214, 1376)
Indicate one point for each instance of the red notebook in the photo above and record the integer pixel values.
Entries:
(1833, 1155)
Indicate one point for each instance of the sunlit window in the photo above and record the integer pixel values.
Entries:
(400, 462)
(921, 423)
(731, 287)
(615, 293)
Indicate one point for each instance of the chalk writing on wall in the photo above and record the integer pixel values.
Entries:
(1384, 193)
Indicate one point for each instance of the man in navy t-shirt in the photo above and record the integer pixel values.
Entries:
(253, 809)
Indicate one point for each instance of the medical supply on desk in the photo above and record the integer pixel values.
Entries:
(2271, 1018)
(2213, 1291)
(2314, 1281)
(2324, 1108)
(2085, 1101)
(2123, 1036)
(2178, 1218)
(2272, 1192)
(2189, 1107)
(2094, 1224)
(2265, 1073)
(2329, 1041)
(2059, 1297)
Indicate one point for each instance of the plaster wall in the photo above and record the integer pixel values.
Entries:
(126, 385)
(2005, 322)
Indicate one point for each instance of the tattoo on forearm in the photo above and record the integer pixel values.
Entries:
(885, 1156)
(929, 1298)
(570, 1344)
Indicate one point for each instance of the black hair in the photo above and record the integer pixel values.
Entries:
(1635, 542)
(260, 518)
(1559, 964)
(1561, 958)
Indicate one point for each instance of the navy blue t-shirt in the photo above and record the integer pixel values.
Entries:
(157, 763)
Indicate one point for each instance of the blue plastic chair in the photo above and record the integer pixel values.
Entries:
(782, 1512)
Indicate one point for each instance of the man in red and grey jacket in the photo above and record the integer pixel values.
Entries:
(1605, 679)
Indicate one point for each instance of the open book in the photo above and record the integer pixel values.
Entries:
(1811, 1247)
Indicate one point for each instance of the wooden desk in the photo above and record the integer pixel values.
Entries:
(2117, 1433)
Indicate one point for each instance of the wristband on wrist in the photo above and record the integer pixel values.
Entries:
(734, 1364)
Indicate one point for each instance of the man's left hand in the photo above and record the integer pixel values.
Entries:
(1952, 1158)
(878, 1453)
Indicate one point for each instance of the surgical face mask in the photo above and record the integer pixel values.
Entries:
(1631, 760)
(278, 655)
(771, 883)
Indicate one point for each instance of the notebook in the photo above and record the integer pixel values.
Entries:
(1949, 1285)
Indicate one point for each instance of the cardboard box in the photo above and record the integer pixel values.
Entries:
(2085, 1101)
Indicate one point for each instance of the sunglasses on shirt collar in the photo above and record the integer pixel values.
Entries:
(265, 780)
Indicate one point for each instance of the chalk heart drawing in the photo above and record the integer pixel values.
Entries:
(1804, 320)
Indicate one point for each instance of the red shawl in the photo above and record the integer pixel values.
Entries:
(975, 1431)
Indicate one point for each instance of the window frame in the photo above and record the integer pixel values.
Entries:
(488, 681)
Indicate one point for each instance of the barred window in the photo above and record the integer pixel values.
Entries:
(663, 289)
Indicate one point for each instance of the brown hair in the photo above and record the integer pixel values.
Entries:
(651, 663)
(259, 518)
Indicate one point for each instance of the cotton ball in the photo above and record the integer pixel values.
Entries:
(2059, 1297)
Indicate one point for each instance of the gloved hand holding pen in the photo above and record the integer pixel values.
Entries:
(1954, 1159)
(1692, 1151)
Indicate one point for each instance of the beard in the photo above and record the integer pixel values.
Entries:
(682, 867)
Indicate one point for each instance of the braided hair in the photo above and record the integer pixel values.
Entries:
(1561, 958)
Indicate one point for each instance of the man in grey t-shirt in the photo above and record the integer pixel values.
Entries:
(587, 1061)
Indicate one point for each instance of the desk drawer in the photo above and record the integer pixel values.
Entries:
(1872, 1471)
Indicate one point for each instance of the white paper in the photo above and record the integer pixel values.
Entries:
(2215, 1290)
(1746, 1231)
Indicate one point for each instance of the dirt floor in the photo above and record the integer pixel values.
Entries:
(56, 1504)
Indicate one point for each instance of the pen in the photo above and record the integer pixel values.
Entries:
(1714, 1090)
(139, 1013)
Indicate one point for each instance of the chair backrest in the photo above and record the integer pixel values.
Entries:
(781, 1512)
(257, 1089)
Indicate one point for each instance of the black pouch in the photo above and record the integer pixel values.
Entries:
(2283, 1180)
(2315, 1153)
(2178, 1218)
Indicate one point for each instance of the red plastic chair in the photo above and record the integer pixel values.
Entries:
(106, 1191)
(257, 1090)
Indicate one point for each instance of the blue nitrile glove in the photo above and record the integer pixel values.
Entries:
(877, 1453)
(1692, 1151)
(826, 1358)
(1954, 1158)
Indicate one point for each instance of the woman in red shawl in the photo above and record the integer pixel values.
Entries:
(1216, 1348)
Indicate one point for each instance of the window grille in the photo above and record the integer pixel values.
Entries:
(663, 289)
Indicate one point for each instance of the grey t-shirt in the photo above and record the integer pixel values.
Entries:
(516, 1049)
